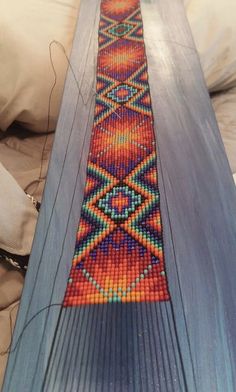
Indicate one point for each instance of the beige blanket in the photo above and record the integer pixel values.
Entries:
(24, 159)
(224, 105)
(11, 284)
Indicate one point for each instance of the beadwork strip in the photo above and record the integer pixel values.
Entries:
(119, 253)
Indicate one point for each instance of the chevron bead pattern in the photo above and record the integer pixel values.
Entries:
(119, 249)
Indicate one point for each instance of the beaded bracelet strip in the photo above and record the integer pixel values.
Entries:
(119, 249)
(17, 261)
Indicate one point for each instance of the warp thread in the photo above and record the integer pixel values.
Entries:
(10, 350)
(61, 46)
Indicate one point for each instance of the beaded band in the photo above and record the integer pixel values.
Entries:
(119, 249)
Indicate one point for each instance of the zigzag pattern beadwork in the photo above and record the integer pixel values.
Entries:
(119, 248)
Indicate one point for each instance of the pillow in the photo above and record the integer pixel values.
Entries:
(18, 216)
(213, 24)
(224, 105)
(26, 76)
(25, 155)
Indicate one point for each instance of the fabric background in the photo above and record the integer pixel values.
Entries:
(213, 25)
(25, 155)
(26, 76)
(11, 284)
(18, 216)
(224, 105)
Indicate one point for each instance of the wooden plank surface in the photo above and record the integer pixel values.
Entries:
(198, 196)
(198, 202)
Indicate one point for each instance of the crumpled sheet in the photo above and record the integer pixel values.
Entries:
(213, 28)
(224, 105)
(11, 285)
(24, 158)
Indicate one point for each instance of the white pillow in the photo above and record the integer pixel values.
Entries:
(18, 216)
(213, 24)
(26, 77)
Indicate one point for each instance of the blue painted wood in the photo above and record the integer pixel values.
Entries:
(198, 196)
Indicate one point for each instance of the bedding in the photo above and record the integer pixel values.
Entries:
(7, 323)
(24, 157)
(25, 154)
(26, 30)
(18, 216)
(214, 31)
(11, 284)
(224, 105)
(26, 74)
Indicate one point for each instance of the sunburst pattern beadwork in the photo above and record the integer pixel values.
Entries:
(119, 248)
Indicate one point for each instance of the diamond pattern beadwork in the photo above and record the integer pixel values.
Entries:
(119, 248)
(122, 93)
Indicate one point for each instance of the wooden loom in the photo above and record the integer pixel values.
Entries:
(188, 344)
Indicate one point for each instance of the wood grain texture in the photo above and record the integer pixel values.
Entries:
(198, 203)
(198, 197)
